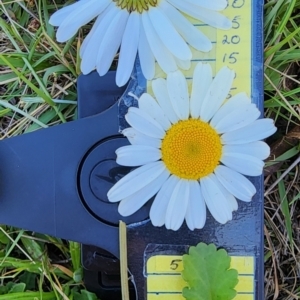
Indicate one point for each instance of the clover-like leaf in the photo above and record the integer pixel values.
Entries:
(208, 274)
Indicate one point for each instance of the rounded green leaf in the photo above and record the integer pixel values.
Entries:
(208, 274)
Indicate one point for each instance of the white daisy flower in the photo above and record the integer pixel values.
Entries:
(193, 151)
(156, 29)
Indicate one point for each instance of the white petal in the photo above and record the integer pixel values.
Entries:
(178, 93)
(160, 204)
(216, 93)
(135, 181)
(257, 149)
(257, 130)
(243, 163)
(183, 64)
(160, 91)
(189, 32)
(151, 107)
(59, 16)
(163, 56)
(231, 201)
(215, 200)
(213, 5)
(137, 155)
(133, 203)
(168, 34)
(88, 63)
(202, 80)
(92, 43)
(238, 118)
(143, 123)
(111, 41)
(195, 216)
(137, 138)
(235, 183)
(146, 56)
(129, 47)
(178, 205)
(89, 38)
(207, 16)
(239, 99)
(83, 13)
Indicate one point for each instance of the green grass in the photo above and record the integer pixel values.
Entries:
(36, 71)
(282, 102)
(43, 266)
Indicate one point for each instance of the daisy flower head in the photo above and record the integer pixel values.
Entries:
(191, 151)
(155, 29)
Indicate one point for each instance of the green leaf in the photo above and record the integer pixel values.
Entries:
(3, 237)
(3, 289)
(75, 255)
(206, 270)
(33, 248)
(84, 295)
(29, 279)
(5, 111)
(77, 275)
(18, 288)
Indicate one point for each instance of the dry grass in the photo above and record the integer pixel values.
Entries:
(282, 180)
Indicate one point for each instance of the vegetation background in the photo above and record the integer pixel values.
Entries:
(36, 71)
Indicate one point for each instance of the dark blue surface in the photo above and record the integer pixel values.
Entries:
(39, 176)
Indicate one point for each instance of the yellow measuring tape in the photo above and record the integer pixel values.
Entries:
(164, 281)
(231, 48)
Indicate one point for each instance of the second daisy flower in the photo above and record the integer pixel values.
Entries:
(192, 150)
(156, 29)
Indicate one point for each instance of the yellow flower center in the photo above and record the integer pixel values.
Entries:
(191, 149)
(136, 5)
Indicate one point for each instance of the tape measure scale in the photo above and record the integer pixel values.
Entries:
(231, 48)
(164, 280)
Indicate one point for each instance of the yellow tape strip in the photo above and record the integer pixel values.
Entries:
(164, 281)
(231, 48)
